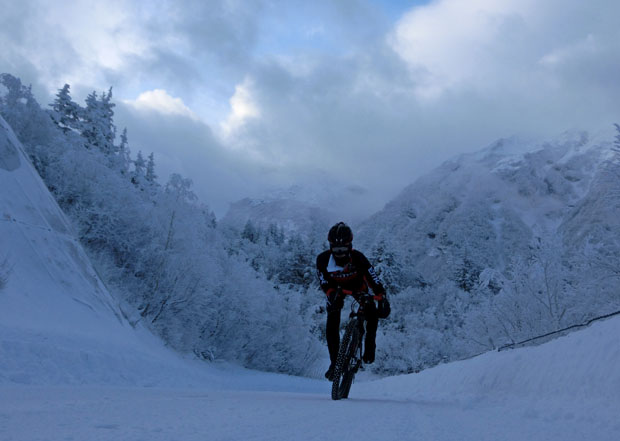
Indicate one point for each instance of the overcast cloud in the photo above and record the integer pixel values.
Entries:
(243, 97)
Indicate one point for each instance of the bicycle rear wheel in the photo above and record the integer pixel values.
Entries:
(346, 365)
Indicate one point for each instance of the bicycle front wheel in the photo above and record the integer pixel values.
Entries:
(345, 368)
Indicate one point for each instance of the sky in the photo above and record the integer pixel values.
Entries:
(358, 97)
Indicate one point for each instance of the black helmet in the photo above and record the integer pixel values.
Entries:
(340, 238)
(340, 235)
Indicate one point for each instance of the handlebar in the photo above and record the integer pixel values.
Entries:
(361, 299)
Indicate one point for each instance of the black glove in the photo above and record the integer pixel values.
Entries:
(335, 300)
(384, 309)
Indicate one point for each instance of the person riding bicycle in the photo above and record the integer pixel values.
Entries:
(343, 271)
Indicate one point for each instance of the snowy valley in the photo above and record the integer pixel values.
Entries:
(127, 310)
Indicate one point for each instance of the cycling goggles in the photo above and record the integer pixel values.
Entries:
(340, 251)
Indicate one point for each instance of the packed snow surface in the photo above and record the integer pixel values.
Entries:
(564, 390)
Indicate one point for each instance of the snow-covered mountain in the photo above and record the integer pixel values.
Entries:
(290, 215)
(475, 214)
(308, 208)
(488, 205)
(489, 248)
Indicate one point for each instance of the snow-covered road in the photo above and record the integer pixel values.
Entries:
(110, 413)
(567, 389)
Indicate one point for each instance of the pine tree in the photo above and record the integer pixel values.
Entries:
(108, 127)
(65, 112)
(139, 172)
(98, 124)
(250, 232)
(296, 263)
(151, 177)
(124, 159)
(88, 119)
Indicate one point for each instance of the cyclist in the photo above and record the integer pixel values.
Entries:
(342, 271)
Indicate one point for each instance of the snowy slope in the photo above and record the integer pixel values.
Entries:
(58, 322)
(39, 245)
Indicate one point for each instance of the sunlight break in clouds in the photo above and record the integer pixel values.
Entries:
(158, 100)
(242, 107)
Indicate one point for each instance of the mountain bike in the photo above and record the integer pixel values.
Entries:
(350, 353)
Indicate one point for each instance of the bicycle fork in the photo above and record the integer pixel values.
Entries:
(360, 349)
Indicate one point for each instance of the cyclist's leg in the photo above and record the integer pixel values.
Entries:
(332, 333)
(372, 321)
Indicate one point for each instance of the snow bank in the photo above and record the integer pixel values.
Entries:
(580, 366)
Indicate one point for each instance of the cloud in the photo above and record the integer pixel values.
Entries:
(450, 77)
(158, 100)
(242, 108)
(501, 47)
(187, 145)
(564, 54)
(257, 94)
(174, 45)
(76, 44)
(449, 43)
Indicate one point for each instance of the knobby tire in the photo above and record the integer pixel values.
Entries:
(343, 371)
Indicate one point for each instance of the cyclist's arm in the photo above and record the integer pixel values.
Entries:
(372, 279)
(326, 283)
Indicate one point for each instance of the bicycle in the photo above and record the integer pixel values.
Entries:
(350, 353)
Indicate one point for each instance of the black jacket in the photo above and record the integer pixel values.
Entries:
(356, 276)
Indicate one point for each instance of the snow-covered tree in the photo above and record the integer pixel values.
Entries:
(180, 188)
(250, 232)
(30, 123)
(97, 123)
(150, 175)
(387, 265)
(160, 251)
(65, 112)
(138, 175)
(124, 154)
